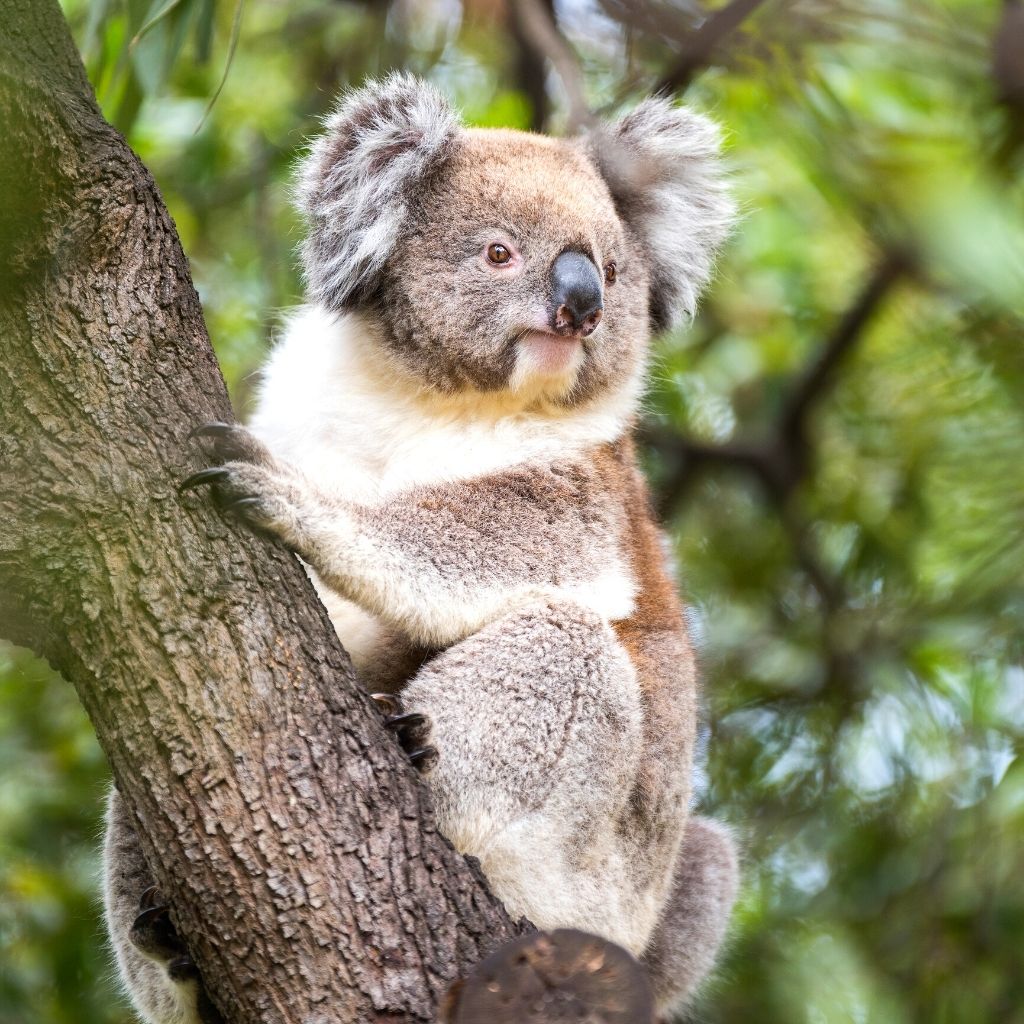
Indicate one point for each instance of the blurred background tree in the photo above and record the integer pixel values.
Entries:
(837, 444)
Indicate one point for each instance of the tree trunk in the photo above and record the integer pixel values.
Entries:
(296, 847)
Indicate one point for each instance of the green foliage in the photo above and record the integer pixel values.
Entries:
(861, 634)
(53, 966)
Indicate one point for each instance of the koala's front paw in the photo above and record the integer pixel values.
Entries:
(410, 728)
(154, 936)
(250, 482)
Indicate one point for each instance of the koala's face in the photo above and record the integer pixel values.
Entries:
(516, 273)
(499, 261)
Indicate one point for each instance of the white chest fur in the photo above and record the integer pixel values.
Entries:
(335, 405)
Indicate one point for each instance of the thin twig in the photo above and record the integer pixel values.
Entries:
(539, 30)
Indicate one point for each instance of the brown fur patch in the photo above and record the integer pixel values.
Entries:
(658, 608)
(657, 641)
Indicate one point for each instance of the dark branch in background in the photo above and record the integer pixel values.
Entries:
(700, 46)
(819, 377)
(784, 459)
(693, 34)
(670, 24)
(537, 28)
(1008, 54)
(531, 69)
(534, 25)
(1008, 79)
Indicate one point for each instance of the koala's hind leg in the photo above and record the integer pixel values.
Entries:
(537, 723)
(154, 967)
(682, 950)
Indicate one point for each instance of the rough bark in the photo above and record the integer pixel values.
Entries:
(295, 845)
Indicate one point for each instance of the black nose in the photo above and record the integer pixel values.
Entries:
(575, 295)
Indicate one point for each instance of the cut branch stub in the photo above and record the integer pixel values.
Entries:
(551, 978)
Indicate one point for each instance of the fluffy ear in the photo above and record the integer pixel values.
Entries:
(662, 167)
(380, 144)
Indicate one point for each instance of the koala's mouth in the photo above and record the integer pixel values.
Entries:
(543, 353)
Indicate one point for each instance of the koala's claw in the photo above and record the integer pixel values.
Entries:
(204, 476)
(241, 504)
(248, 507)
(214, 429)
(247, 482)
(410, 720)
(155, 936)
(152, 932)
(150, 897)
(234, 443)
(410, 729)
(424, 759)
(182, 969)
(388, 703)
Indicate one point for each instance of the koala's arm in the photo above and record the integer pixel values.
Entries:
(439, 562)
(444, 561)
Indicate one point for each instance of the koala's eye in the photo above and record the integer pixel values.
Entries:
(611, 272)
(498, 253)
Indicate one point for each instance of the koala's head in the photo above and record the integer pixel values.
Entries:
(500, 261)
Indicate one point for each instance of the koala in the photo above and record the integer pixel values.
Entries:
(443, 436)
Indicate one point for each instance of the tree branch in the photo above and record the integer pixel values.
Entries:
(672, 24)
(819, 377)
(538, 29)
(782, 460)
(531, 68)
(296, 847)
